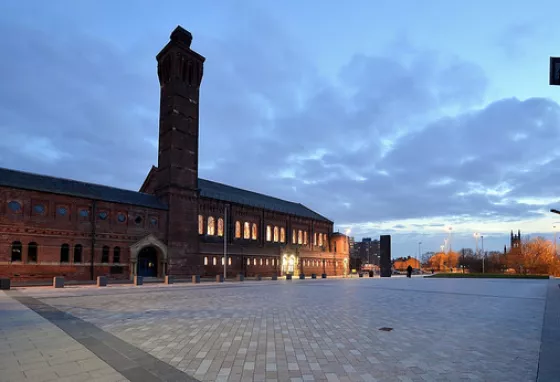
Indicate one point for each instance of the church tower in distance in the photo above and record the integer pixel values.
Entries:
(180, 75)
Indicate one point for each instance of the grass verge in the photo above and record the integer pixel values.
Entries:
(485, 276)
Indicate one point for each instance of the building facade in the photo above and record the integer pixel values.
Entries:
(367, 250)
(177, 224)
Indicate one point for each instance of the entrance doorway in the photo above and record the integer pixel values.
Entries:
(147, 262)
(289, 264)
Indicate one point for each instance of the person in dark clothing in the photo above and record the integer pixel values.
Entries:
(409, 271)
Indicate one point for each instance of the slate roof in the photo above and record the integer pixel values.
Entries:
(219, 191)
(36, 182)
(208, 189)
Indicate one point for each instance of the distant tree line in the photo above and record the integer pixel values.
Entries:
(533, 256)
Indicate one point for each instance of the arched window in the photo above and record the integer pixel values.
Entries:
(16, 251)
(223, 260)
(255, 261)
(266, 261)
(229, 260)
(78, 253)
(32, 252)
(282, 235)
(246, 230)
(315, 238)
(205, 260)
(211, 230)
(200, 225)
(220, 227)
(276, 236)
(116, 255)
(254, 235)
(294, 236)
(300, 237)
(105, 254)
(214, 261)
(261, 262)
(64, 253)
(248, 261)
(237, 230)
(320, 239)
(304, 237)
(326, 240)
(268, 233)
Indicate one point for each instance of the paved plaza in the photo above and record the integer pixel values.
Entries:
(303, 330)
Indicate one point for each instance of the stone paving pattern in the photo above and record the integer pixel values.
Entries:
(326, 330)
(33, 349)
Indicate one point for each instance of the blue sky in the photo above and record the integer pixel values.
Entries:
(388, 117)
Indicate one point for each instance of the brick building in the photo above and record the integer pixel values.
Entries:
(176, 224)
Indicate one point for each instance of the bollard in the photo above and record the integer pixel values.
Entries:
(313, 276)
(168, 280)
(288, 277)
(361, 275)
(101, 281)
(196, 279)
(219, 278)
(240, 276)
(302, 276)
(370, 273)
(58, 282)
(275, 277)
(259, 277)
(324, 276)
(4, 284)
(138, 280)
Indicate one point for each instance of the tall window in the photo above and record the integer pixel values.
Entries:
(315, 238)
(238, 230)
(214, 261)
(78, 253)
(116, 255)
(211, 226)
(304, 237)
(268, 233)
(205, 260)
(325, 239)
(248, 261)
(32, 250)
(229, 260)
(276, 236)
(246, 230)
(220, 227)
(300, 237)
(200, 225)
(16, 251)
(105, 254)
(294, 236)
(254, 235)
(320, 239)
(64, 253)
(282, 235)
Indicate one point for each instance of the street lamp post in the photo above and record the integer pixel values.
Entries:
(419, 256)
(476, 243)
(225, 240)
(483, 255)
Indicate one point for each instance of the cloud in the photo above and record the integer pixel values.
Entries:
(398, 134)
(514, 39)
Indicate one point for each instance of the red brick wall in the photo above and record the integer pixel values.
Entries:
(50, 230)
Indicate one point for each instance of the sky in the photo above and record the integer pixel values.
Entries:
(409, 118)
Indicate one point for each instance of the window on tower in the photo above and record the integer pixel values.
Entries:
(220, 227)
(246, 230)
(254, 231)
(238, 230)
(276, 236)
(200, 225)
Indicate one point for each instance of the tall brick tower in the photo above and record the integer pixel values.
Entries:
(180, 74)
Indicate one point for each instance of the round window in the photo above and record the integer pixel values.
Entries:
(14, 206)
(39, 208)
(121, 218)
(153, 221)
(84, 213)
(62, 211)
(103, 215)
(138, 220)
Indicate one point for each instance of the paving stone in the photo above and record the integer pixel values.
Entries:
(323, 331)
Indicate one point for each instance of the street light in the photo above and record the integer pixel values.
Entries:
(555, 234)
(476, 234)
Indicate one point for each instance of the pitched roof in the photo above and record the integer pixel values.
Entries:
(208, 189)
(36, 182)
(219, 191)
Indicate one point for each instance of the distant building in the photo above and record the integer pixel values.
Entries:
(367, 250)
